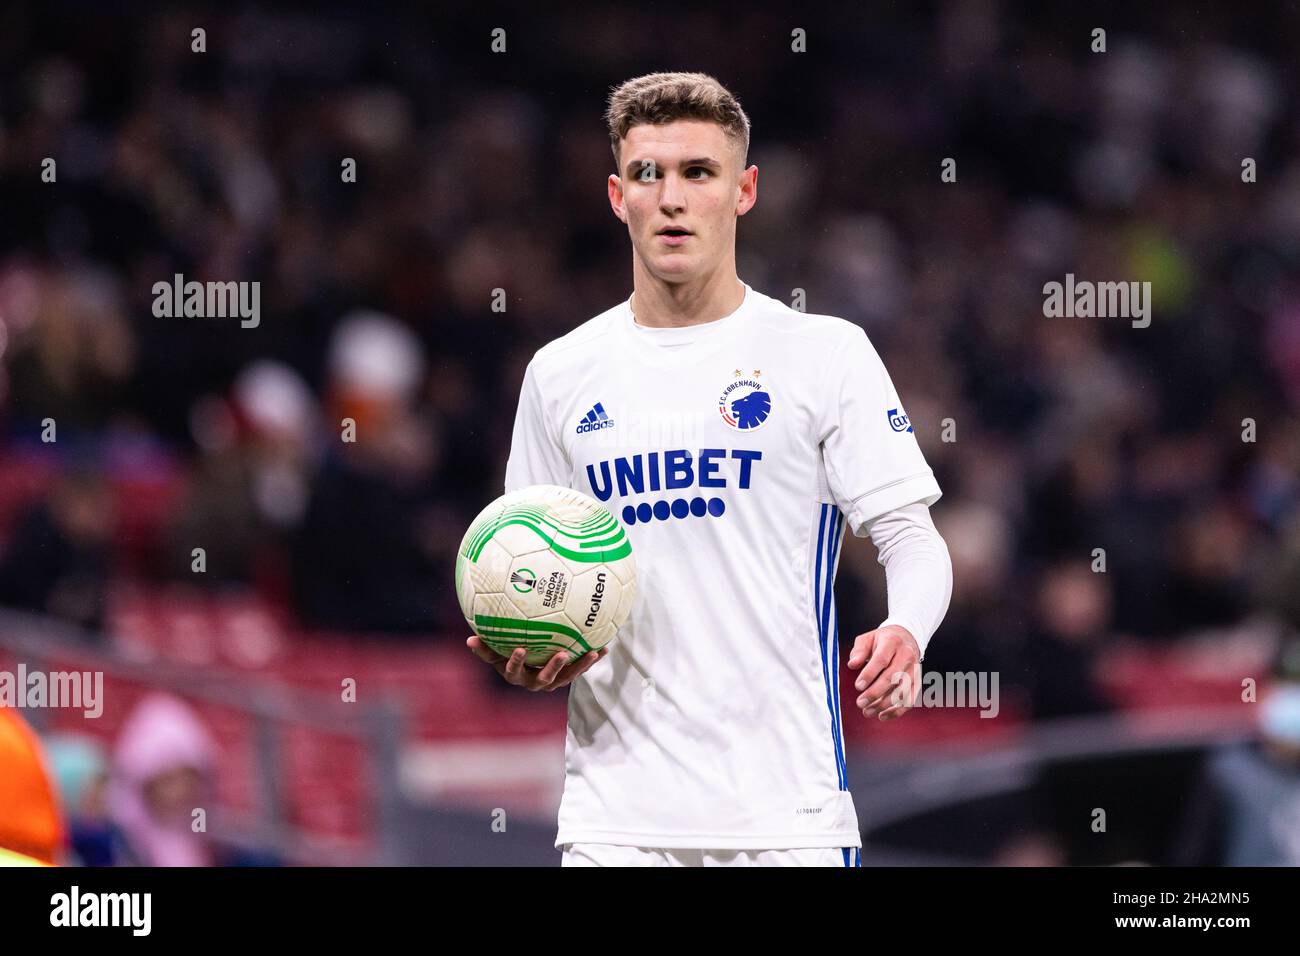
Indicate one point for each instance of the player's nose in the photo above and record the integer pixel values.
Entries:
(672, 196)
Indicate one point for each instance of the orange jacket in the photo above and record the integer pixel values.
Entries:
(30, 821)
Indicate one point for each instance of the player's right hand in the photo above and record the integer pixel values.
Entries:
(557, 672)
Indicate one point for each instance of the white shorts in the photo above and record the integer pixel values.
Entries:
(608, 854)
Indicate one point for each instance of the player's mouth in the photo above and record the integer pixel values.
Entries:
(673, 235)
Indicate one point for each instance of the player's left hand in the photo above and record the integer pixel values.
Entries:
(891, 678)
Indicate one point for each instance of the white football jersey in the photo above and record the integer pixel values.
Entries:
(733, 452)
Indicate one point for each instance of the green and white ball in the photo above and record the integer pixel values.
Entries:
(546, 568)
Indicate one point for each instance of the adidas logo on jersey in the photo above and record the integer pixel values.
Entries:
(594, 419)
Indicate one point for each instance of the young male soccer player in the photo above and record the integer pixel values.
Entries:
(734, 437)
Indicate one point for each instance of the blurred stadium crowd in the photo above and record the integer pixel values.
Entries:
(478, 172)
(67, 800)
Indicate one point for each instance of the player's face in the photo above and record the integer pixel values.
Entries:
(684, 175)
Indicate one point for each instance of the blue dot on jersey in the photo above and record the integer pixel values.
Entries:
(681, 508)
(629, 515)
(661, 510)
(643, 512)
(716, 507)
(698, 507)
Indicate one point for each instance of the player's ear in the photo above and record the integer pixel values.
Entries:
(615, 189)
(748, 191)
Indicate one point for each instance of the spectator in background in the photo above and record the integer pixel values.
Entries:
(363, 561)
(1245, 808)
(1278, 584)
(1210, 570)
(163, 769)
(250, 486)
(57, 561)
(1059, 659)
(80, 767)
(30, 824)
(73, 363)
(990, 623)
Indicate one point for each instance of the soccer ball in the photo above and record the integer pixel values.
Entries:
(546, 568)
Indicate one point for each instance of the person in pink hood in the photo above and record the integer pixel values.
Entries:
(163, 770)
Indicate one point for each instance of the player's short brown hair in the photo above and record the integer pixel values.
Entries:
(658, 98)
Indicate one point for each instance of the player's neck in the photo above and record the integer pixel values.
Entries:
(661, 305)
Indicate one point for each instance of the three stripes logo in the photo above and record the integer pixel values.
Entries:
(595, 419)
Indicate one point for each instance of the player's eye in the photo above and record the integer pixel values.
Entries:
(650, 172)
